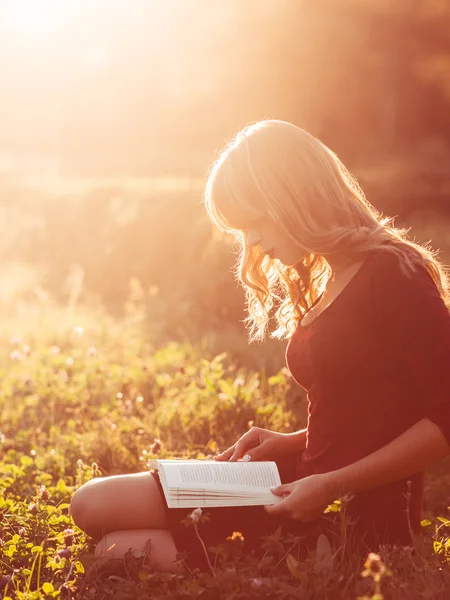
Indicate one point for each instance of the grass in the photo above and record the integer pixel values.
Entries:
(84, 395)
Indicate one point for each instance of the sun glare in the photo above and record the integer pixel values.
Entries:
(34, 18)
(98, 57)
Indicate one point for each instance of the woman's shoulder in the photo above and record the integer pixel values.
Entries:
(401, 278)
(395, 267)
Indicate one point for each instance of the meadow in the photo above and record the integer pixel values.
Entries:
(116, 349)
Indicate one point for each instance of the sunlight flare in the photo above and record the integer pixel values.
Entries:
(35, 18)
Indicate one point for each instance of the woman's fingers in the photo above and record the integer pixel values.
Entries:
(238, 452)
(259, 452)
(226, 454)
(282, 490)
(247, 441)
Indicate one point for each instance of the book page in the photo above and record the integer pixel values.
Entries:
(175, 501)
(221, 475)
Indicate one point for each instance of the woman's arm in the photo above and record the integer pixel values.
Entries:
(413, 451)
(301, 438)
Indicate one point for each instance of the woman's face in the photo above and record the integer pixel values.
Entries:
(275, 243)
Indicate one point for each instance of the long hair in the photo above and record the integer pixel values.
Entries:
(278, 170)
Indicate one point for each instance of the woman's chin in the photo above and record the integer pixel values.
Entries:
(291, 262)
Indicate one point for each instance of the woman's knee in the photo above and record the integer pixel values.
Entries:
(85, 509)
(118, 502)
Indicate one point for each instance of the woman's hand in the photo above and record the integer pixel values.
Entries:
(262, 444)
(305, 499)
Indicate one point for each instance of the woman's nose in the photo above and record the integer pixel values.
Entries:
(253, 237)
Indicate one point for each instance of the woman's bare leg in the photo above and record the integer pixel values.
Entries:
(160, 552)
(120, 502)
(126, 511)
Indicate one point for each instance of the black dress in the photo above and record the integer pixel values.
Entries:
(374, 363)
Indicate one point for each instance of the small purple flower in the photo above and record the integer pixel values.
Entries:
(156, 447)
(64, 553)
(44, 493)
(68, 536)
(33, 509)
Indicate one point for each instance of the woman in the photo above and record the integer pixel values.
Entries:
(365, 313)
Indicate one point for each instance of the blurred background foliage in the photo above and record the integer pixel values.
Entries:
(112, 112)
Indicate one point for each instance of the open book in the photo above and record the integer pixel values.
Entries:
(195, 483)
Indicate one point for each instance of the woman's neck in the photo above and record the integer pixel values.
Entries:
(339, 263)
(340, 267)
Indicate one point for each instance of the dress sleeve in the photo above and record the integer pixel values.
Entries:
(418, 323)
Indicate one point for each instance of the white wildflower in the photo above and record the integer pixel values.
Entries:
(195, 515)
(256, 583)
(16, 355)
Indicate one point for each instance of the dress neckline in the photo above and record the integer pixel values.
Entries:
(338, 298)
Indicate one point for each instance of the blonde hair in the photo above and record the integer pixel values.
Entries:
(278, 170)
